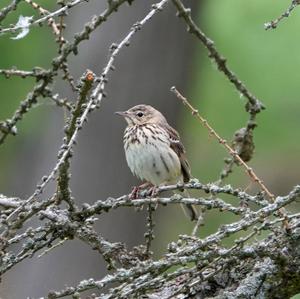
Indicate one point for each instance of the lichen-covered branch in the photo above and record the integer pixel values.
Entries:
(63, 177)
(228, 263)
(8, 9)
(222, 141)
(254, 105)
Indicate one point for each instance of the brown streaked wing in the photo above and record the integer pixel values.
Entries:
(178, 148)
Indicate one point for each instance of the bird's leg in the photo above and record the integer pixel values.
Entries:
(145, 185)
(136, 190)
(153, 191)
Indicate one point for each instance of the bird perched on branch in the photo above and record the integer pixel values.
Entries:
(153, 150)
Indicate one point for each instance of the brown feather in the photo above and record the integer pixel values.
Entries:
(178, 148)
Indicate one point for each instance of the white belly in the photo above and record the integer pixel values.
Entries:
(156, 163)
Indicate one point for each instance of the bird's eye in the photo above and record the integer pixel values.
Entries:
(140, 114)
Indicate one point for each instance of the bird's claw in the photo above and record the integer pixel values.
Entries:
(153, 191)
(134, 192)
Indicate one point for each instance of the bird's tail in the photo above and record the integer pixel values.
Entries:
(189, 210)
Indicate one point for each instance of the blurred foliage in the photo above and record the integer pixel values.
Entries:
(36, 49)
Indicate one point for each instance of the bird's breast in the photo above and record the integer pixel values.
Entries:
(149, 155)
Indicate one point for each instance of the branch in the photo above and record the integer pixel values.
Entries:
(44, 18)
(51, 21)
(37, 72)
(273, 24)
(64, 193)
(98, 92)
(124, 201)
(8, 9)
(7, 202)
(25, 106)
(222, 141)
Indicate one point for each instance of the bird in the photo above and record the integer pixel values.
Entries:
(153, 150)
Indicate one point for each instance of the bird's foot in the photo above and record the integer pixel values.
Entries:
(135, 192)
(153, 191)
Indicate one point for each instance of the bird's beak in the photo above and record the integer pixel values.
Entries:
(122, 113)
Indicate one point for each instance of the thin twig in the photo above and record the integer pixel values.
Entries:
(222, 141)
(38, 73)
(232, 152)
(43, 12)
(44, 18)
(273, 24)
(61, 102)
(8, 9)
(59, 243)
(26, 105)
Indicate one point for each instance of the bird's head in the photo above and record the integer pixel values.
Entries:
(142, 114)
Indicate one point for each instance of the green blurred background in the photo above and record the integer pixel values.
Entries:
(268, 62)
